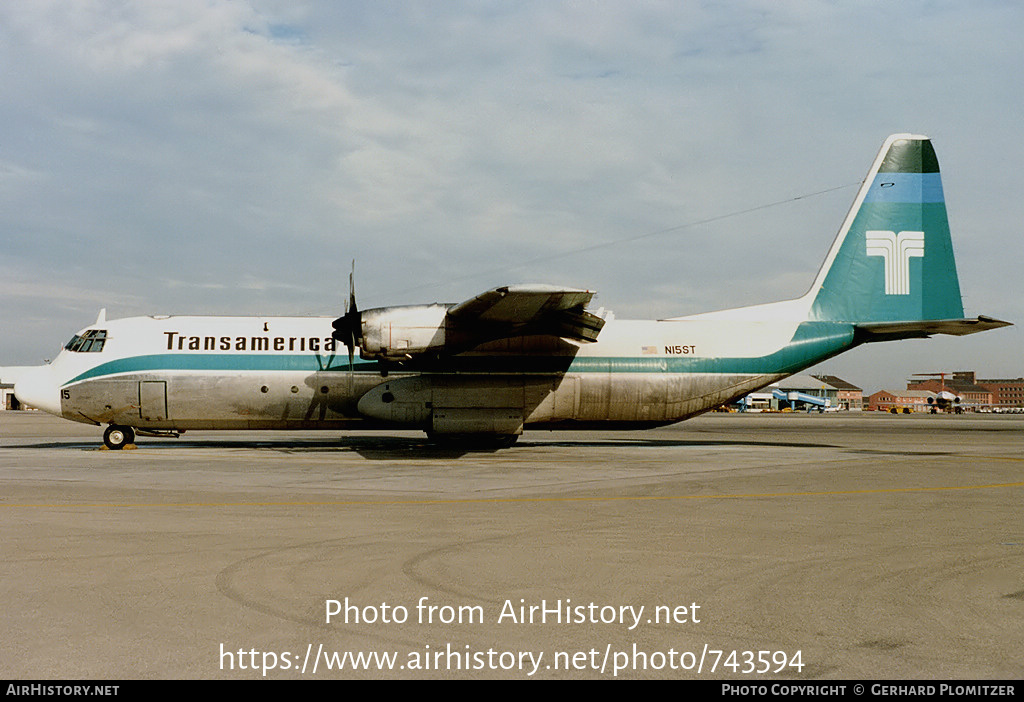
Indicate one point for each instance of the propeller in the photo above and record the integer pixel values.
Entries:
(348, 328)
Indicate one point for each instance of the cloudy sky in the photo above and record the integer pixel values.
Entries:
(234, 157)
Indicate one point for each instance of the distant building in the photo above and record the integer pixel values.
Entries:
(7, 399)
(849, 396)
(900, 400)
(1007, 393)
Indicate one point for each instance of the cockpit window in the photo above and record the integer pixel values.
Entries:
(91, 341)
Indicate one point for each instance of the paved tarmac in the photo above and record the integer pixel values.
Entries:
(842, 546)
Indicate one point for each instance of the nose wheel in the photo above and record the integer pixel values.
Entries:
(117, 437)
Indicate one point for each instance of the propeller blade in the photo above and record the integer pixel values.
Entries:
(352, 287)
(351, 362)
(355, 321)
(348, 328)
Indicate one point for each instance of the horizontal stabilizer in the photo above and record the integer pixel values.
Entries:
(920, 329)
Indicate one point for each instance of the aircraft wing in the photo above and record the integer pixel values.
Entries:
(515, 310)
(919, 329)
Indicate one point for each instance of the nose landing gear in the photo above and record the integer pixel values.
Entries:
(117, 437)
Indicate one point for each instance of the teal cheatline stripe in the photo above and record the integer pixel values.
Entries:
(906, 187)
(222, 362)
(910, 156)
(813, 342)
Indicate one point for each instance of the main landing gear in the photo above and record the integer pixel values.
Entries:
(117, 437)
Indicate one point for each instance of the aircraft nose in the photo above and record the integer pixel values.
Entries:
(37, 388)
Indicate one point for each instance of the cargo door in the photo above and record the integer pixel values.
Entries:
(153, 400)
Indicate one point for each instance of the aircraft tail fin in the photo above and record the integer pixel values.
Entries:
(893, 258)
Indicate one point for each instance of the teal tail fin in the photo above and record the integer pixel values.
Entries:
(893, 258)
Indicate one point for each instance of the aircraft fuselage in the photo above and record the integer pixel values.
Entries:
(177, 373)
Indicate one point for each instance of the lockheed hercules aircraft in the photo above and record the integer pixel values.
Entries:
(520, 356)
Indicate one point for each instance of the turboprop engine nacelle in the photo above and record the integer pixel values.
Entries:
(396, 333)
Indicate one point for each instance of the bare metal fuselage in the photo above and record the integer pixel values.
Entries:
(182, 373)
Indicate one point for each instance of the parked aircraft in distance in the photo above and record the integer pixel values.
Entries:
(945, 401)
(520, 356)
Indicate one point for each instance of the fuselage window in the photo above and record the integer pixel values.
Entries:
(91, 341)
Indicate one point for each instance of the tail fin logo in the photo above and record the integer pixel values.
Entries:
(896, 251)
